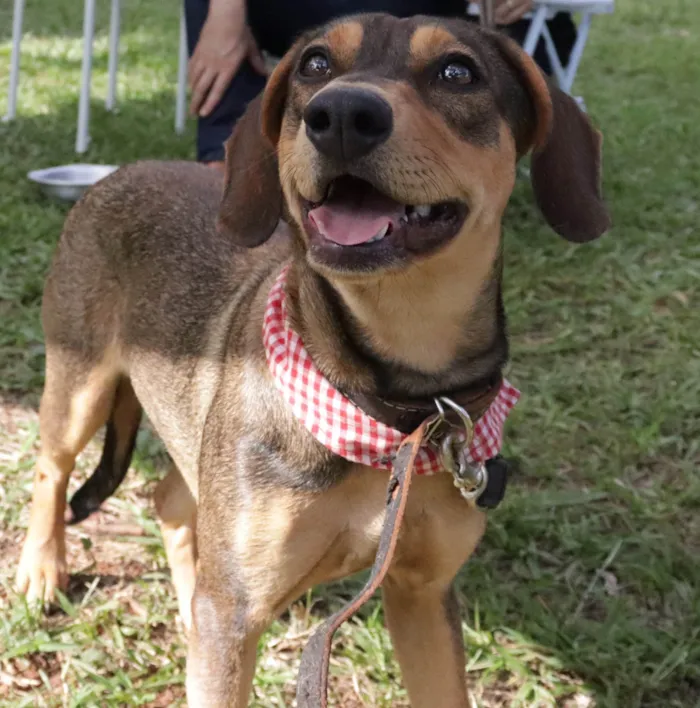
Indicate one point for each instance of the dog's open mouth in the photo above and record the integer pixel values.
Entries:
(358, 227)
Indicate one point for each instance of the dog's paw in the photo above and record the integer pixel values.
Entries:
(42, 569)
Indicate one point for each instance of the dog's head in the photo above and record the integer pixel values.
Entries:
(393, 140)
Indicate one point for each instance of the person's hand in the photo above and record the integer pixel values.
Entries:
(224, 43)
(509, 11)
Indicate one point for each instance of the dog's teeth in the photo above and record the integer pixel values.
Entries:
(380, 235)
(423, 210)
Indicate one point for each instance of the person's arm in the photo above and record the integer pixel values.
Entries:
(225, 42)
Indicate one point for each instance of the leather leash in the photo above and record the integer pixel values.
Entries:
(312, 681)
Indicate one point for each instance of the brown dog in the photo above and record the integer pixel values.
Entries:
(149, 305)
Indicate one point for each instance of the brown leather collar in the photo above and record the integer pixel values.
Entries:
(407, 415)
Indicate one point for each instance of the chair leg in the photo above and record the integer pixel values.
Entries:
(577, 52)
(17, 18)
(181, 98)
(554, 59)
(535, 30)
(82, 138)
(114, 20)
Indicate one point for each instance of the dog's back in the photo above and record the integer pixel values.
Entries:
(140, 295)
(148, 232)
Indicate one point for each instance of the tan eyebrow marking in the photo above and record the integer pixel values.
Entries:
(428, 41)
(344, 42)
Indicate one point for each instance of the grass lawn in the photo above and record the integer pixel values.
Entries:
(586, 588)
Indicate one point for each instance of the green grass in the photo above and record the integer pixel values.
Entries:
(586, 588)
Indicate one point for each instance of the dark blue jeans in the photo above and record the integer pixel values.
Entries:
(275, 25)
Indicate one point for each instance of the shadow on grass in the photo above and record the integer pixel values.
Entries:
(65, 20)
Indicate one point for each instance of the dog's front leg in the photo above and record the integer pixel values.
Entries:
(221, 649)
(230, 609)
(426, 633)
(260, 547)
(440, 533)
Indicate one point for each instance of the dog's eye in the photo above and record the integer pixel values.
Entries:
(315, 65)
(457, 72)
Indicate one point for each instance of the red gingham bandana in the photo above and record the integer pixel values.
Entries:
(339, 424)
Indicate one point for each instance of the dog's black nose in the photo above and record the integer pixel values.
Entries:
(347, 123)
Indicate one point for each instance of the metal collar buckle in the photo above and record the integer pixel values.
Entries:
(470, 479)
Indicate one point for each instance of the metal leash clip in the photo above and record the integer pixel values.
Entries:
(470, 479)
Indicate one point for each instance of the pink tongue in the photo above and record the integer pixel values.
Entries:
(355, 221)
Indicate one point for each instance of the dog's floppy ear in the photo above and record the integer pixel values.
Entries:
(251, 205)
(566, 154)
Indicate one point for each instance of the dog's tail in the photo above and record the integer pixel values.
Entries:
(120, 437)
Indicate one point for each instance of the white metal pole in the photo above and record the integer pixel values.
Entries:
(17, 17)
(181, 98)
(577, 52)
(113, 65)
(554, 59)
(535, 30)
(83, 138)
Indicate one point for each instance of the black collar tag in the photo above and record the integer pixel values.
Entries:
(497, 468)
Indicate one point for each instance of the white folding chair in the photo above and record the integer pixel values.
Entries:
(82, 133)
(546, 9)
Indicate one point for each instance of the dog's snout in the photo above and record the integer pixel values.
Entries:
(347, 123)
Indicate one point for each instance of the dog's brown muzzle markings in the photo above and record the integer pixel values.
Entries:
(389, 148)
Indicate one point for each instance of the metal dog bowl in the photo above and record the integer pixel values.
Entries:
(68, 182)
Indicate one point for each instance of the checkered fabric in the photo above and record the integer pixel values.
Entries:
(338, 423)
